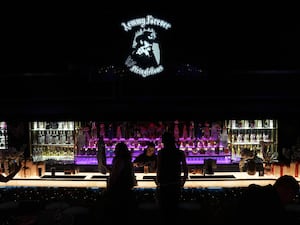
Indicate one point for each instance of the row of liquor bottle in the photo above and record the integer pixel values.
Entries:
(252, 136)
(88, 141)
(248, 124)
(182, 145)
(184, 129)
(53, 137)
(60, 125)
(188, 151)
(3, 135)
(67, 137)
(84, 140)
(193, 137)
(152, 130)
(42, 153)
(257, 149)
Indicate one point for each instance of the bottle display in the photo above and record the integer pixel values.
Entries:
(52, 140)
(3, 135)
(197, 141)
(200, 139)
(252, 135)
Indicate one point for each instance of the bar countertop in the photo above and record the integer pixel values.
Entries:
(98, 180)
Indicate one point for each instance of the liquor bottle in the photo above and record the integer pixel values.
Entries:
(259, 136)
(206, 130)
(110, 131)
(40, 137)
(192, 130)
(184, 132)
(234, 136)
(54, 137)
(224, 137)
(252, 123)
(259, 123)
(215, 131)
(119, 132)
(271, 124)
(252, 136)
(247, 136)
(240, 136)
(238, 154)
(266, 123)
(199, 131)
(176, 130)
(63, 137)
(71, 137)
(35, 125)
(101, 156)
(47, 137)
(102, 130)
(94, 131)
(233, 124)
(160, 129)
(246, 124)
(124, 133)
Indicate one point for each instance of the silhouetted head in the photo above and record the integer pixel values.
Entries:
(287, 188)
(168, 138)
(121, 150)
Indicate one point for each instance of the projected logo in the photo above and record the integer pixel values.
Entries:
(145, 56)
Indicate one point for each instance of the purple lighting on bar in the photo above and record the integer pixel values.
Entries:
(191, 160)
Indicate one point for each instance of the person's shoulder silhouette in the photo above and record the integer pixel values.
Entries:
(171, 162)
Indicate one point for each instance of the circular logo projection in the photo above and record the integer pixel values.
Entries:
(144, 57)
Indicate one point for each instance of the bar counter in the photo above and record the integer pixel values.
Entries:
(98, 180)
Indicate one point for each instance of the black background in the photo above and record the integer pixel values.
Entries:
(249, 55)
(51, 38)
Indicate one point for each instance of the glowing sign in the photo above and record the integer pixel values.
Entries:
(144, 58)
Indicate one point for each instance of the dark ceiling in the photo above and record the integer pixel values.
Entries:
(57, 39)
(50, 58)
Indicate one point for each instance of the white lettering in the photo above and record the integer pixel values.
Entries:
(142, 22)
(157, 22)
(146, 72)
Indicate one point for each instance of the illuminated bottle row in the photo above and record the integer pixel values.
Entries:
(60, 125)
(52, 140)
(252, 124)
(58, 137)
(42, 153)
(252, 135)
(3, 135)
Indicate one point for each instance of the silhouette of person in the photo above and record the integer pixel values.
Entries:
(171, 162)
(269, 201)
(122, 173)
(120, 194)
(148, 158)
(287, 187)
(101, 156)
(80, 140)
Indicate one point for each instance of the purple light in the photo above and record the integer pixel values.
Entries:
(192, 159)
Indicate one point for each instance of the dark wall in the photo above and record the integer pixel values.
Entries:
(82, 96)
